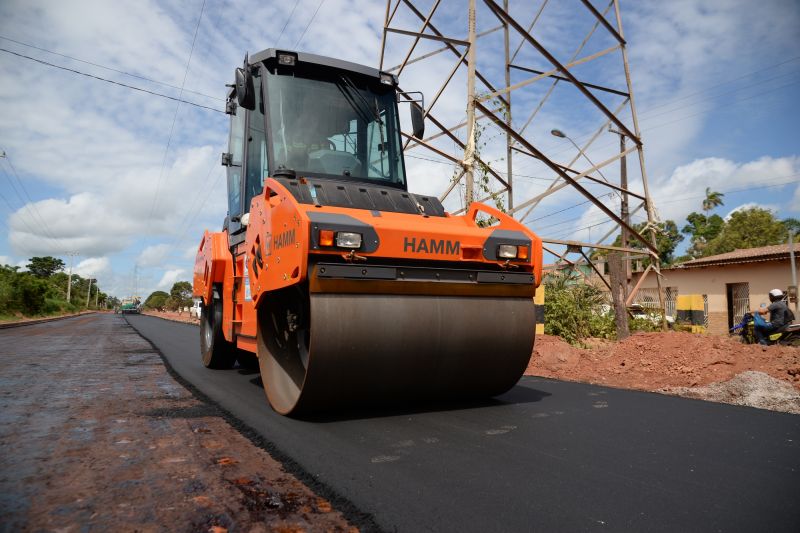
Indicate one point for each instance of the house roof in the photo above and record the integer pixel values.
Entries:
(746, 255)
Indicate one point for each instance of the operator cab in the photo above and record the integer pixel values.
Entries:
(331, 122)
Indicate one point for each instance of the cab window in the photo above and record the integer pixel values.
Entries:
(236, 149)
(257, 170)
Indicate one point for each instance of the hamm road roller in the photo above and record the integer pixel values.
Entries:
(341, 285)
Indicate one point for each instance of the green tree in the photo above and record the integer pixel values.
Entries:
(747, 228)
(702, 229)
(156, 300)
(793, 225)
(181, 294)
(667, 239)
(44, 267)
(712, 199)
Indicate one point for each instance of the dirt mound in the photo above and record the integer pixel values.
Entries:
(752, 388)
(657, 361)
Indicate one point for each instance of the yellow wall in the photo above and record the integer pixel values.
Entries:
(538, 300)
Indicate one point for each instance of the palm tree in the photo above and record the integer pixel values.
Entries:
(712, 200)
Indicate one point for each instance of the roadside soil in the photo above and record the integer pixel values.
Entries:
(173, 315)
(700, 366)
(95, 435)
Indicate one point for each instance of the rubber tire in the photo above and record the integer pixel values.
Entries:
(217, 352)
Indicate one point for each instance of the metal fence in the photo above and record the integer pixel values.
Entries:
(740, 300)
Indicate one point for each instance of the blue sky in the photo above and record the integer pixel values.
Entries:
(97, 171)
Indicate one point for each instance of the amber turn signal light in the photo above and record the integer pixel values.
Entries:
(325, 237)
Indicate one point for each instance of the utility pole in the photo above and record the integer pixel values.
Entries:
(469, 152)
(624, 213)
(69, 282)
(96, 296)
(135, 280)
(89, 292)
(794, 273)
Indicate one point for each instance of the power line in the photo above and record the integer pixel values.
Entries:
(111, 81)
(309, 23)
(286, 23)
(445, 162)
(182, 236)
(132, 75)
(30, 206)
(747, 75)
(175, 115)
(680, 119)
(680, 199)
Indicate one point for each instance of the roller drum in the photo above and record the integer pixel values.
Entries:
(364, 349)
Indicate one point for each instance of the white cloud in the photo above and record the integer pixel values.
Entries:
(6, 260)
(190, 252)
(170, 277)
(153, 255)
(750, 205)
(795, 205)
(92, 267)
(684, 190)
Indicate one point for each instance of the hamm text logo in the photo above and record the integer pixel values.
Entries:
(283, 239)
(431, 246)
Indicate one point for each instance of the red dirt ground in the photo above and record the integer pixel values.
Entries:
(664, 362)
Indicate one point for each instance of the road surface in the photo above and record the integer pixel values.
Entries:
(547, 456)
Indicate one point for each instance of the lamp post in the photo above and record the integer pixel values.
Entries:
(559, 133)
(623, 198)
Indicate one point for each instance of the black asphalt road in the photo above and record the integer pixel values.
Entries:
(547, 456)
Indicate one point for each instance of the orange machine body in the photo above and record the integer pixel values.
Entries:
(282, 248)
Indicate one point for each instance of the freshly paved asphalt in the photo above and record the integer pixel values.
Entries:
(547, 456)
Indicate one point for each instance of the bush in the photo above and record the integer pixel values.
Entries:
(573, 311)
(644, 324)
(29, 293)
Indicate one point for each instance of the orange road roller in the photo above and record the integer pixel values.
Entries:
(341, 285)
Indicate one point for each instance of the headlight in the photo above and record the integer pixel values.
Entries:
(511, 251)
(286, 59)
(507, 251)
(348, 239)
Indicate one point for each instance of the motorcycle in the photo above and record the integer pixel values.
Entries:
(789, 335)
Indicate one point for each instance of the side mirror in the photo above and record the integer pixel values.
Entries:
(245, 94)
(417, 121)
(244, 89)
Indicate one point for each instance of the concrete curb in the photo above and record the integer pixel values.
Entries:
(42, 320)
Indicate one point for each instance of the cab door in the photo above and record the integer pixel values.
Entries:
(234, 161)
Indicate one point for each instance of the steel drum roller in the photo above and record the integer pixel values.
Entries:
(361, 349)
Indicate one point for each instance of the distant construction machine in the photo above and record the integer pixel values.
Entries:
(347, 288)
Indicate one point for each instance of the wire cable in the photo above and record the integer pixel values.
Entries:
(132, 75)
(286, 23)
(30, 205)
(111, 81)
(175, 117)
(309, 23)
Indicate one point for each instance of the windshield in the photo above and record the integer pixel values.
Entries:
(332, 124)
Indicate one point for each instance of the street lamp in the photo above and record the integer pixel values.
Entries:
(559, 133)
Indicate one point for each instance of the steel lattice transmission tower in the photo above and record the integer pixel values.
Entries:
(517, 91)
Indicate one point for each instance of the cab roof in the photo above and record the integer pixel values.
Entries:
(303, 57)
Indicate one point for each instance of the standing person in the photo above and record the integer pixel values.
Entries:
(779, 316)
